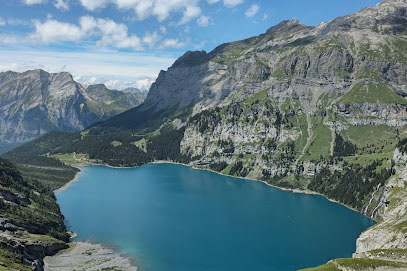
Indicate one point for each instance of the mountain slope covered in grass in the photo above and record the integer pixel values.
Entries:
(31, 223)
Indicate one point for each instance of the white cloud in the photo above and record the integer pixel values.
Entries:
(227, 3)
(190, 13)
(2, 22)
(203, 21)
(53, 31)
(265, 16)
(62, 5)
(115, 69)
(112, 82)
(161, 9)
(15, 21)
(117, 84)
(144, 83)
(142, 8)
(171, 43)
(11, 39)
(232, 3)
(90, 30)
(94, 4)
(163, 29)
(106, 31)
(87, 23)
(151, 39)
(252, 11)
(116, 35)
(34, 2)
(187, 30)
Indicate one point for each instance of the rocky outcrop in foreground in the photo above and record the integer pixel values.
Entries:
(90, 257)
(391, 231)
(31, 223)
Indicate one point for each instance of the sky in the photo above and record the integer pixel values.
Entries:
(125, 43)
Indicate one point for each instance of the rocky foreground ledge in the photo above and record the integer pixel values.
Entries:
(89, 257)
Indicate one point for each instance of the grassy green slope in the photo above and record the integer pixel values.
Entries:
(363, 92)
(31, 206)
(358, 264)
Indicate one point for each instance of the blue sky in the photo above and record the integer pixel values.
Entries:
(125, 43)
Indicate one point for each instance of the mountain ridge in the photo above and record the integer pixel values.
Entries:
(191, 76)
(35, 102)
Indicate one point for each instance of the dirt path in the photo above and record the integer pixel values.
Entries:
(333, 134)
(309, 138)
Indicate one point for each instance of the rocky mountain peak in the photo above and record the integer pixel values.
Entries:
(389, 16)
(95, 87)
(191, 58)
(133, 90)
(394, 1)
(285, 25)
(287, 52)
(35, 102)
(5, 76)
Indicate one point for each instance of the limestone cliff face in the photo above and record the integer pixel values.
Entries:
(35, 102)
(391, 212)
(339, 74)
(373, 114)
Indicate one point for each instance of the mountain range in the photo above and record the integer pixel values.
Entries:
(316, 109)
(35, 102)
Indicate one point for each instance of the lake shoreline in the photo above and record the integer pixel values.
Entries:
(83, 169)
(293, 190)
(89, 256)
(68, 184)
(77, 255)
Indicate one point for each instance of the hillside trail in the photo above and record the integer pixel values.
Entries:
(309, 137)
(333, 134)
(310, 107)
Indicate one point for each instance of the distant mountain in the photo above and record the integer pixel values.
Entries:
(133, 90)
(35, 102)
(141, 94)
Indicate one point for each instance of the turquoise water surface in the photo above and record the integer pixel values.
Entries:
(173, 218)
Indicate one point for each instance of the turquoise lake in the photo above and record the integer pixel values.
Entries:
(174, 218)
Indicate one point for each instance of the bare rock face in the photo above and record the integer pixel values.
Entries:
(35, 102)
(33, 247)
(374, 114)
(390, 233)
(392, 210)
